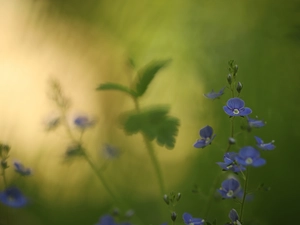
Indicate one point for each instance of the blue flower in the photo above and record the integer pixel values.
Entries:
(20, 169)
(110, 152)
(255, 123)
(83, 122)
(234, 217)
(206, 134)
(106, 220)
(189, 220)
(230, 163)
(264, 146)
(214, 95)
(231, 188)
(235, 107)
(109, 220)
(13, 197)
(250, 156)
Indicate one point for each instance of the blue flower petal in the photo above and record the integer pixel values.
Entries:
(206, 132)
(255, 123)
(249, 151)
(200, 143)
(258, 140)
(235, 103)
(230, 184)
(245, 111)
(259, 162)
(214, 95)
(228, 111)
(186, 218)
(267, 146)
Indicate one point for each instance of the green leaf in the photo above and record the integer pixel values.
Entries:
(146, 75)
(117, 87)
(155, 123)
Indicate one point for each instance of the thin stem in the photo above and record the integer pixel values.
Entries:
(155, 164)
(100, 176)
(152, 155)
(245, 194)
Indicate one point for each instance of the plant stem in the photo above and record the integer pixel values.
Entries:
(245, 194)
(152, 155)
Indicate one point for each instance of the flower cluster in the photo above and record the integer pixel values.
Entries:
(11, 196)
(236, 162)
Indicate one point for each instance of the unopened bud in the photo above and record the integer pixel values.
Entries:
(231, 141)
(173, 216)
(166, 199)
(235, 69)
(229, 78)
(178, 197)
(239, 87)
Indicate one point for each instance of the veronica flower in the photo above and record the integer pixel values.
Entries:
(111, 152)
(106, 220)
(255, 123)
(189, 220)
(206, 134)
(231, 188)
(249, 156)
(20, 169)
(264, 146)
(235, 107)
(234, 217)
(230, 163)
(83, 122)
(214, 95)
(13, 197)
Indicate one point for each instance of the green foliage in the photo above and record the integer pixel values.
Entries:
(146, 75)
(117, 87)
(154, 123)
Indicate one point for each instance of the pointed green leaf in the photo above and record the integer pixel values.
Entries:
(117, 87)
(146, 75)
(154, 123)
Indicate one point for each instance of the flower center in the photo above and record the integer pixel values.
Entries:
(229, 193)
(207, 140)
(249, 161)
(236, 111)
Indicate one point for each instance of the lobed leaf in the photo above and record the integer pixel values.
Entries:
(154, 123)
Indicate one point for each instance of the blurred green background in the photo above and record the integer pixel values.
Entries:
(83, 44)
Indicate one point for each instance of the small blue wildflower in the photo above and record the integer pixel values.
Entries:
(250, 156)
(110, 152)
(13, 197)
(264, 146)
(230, 163)
(106, 220)
(189, 220)
(234, 217)
(83, 122)
(231, 188)
(255, 123)
(206, 134)
(214, 95)
(235, 107)
(20, 169)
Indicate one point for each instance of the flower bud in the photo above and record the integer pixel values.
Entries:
(173, 216)
(229, 78)
(239, 87)
(235, 69)
(166, 199)
(178, 197)
(231, 141)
